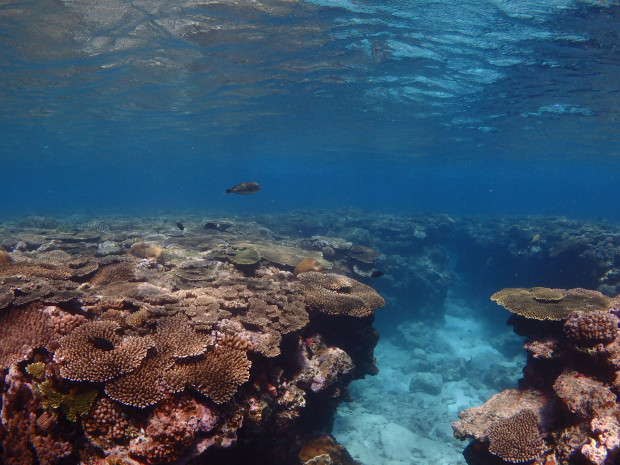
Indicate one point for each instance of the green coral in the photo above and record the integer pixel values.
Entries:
(36, 370)
(246, 256)
(72, 405)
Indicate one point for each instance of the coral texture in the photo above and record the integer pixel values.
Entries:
(591, 327)
(547, 304)
(339, 295)
(121, 360)
(96, 352)
(516, 439)
(572, 374)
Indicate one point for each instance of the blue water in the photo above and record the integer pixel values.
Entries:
(462, 107)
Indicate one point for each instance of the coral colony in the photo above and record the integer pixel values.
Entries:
(166, 353)
(124, 342)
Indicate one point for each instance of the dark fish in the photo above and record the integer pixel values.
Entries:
(101, 343)
(377, 274)
(244, 188)
(180, 225)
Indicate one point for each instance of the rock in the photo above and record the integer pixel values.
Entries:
(427, 382)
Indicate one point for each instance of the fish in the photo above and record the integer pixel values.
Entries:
(180, 225)
(376, 274)
(244, 188)
(101, 343)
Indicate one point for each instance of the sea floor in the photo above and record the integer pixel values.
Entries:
(403, 415)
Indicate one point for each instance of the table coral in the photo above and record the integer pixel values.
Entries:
(572, 374)
(549, 304)
(339, 295)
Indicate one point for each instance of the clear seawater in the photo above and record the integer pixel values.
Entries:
(460, 107)
(463, 107)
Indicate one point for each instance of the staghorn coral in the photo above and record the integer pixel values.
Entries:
(96, 352)
(56, 255)
(266, 309)
(202, 326)
(547, 304)
(183, 358)
(307, 264)
(517, 439)
(591, 327)
(339, 295)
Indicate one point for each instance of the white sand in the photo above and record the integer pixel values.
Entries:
(390, 424)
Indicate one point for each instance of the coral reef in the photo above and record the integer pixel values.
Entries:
(565, 409)
(127, 359)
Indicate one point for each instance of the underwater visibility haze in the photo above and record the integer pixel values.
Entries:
(399, 164)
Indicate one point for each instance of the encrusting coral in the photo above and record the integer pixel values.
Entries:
(516, 439)
(96, 352)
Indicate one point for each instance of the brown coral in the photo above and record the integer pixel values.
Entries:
(108, 422)
(364, 254)
(307, 264)
(583, 396)
(218, 374)
(21, 331)
(546, 304)
(339, 295)
(517, 439)
(176, 338)
(322, 449)
(183, 358)
(34, 270)
(143, 386)
(96, 352)
(143, 250)
(591, 328)
(5, 257)
(122, 271)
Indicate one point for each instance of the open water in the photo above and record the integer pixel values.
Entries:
(461, 107)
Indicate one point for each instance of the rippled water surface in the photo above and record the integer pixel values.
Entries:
(459, 106)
